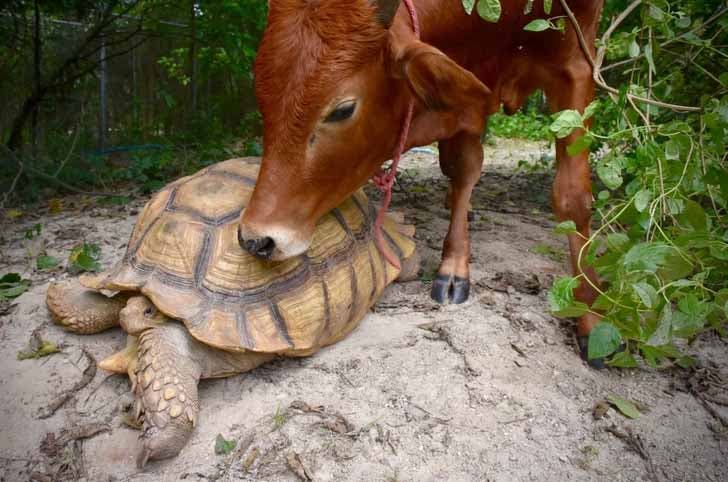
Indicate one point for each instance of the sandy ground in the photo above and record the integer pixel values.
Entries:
(491, 390)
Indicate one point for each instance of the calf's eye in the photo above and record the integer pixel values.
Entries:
(341, 112)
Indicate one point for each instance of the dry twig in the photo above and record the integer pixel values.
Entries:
(596, 64)
(88, 374)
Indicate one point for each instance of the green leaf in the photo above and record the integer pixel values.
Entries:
(650, 59)
(581, 144)
(46, 262)
(623, 359)
(617, 241)
(642, 199)
(12, 286)
(656, 13)
(590, 110)
(528, 8)
(604, 340)
(610, 174)
(468, 5)
(538, 25)
(84, 258)
(634, 49)
(489, 10)
(222, 446)
(694, 216)
(646, 257)
(547, 4)
(672, 150)
(627, 408)
(561, 298)
(567, 227)
(646, 292)
(566, 122)
(691, 316)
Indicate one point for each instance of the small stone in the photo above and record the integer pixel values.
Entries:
(156, 385)
(162, 405)
(182, 397)
(169, 393)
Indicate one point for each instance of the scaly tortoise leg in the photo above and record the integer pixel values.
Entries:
(83, 311)
(169, 366)
(166, 388)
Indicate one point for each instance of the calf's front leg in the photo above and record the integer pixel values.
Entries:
(461, 160)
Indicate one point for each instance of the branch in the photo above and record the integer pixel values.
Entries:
(712, 19)
(596, 64)
(12, 187)
(94, 66)
(53, 180)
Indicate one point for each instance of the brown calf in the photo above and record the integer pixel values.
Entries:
(333, 80)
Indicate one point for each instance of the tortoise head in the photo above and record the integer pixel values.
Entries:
(140, 314)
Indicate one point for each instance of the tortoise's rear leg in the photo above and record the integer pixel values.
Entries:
(81, 310)
(169, 367)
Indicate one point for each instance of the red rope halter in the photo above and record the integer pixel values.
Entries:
(384, 180)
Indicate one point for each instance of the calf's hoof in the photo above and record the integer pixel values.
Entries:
(450, 288)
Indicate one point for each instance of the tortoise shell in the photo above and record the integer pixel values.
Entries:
(184, 255)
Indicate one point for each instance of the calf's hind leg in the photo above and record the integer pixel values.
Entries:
(572, 195)
(461, 160)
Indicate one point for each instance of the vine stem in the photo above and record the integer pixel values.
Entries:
(596, 64)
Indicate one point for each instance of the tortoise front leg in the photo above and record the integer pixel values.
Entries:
(83, 311)
(169, 366)
(166, 388)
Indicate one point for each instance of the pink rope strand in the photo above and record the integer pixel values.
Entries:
(384, 180)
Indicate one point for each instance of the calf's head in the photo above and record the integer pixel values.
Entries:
(333, 80)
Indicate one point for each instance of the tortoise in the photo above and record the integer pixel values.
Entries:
(195, 305)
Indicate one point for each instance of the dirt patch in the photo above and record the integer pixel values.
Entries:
(489, 390)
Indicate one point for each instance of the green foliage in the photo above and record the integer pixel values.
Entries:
(84, 258)
(183, 84)
(661, 247)
(223, 446)
(12, 285)
(532, 126)
(45, 262)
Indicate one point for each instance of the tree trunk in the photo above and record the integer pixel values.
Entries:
(103, 98)
(193, 60)
(36, 75)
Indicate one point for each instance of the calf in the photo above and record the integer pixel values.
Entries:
(334, 79)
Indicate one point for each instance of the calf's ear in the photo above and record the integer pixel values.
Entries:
(442, 85)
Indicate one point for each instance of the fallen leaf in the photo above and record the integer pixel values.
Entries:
(222, 446)
(627, 408)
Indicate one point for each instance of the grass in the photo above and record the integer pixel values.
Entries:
(531, 126)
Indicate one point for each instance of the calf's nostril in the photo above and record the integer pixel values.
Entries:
(260, 247)
(265, 247)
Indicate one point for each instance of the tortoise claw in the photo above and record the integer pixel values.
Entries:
(450, 288)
